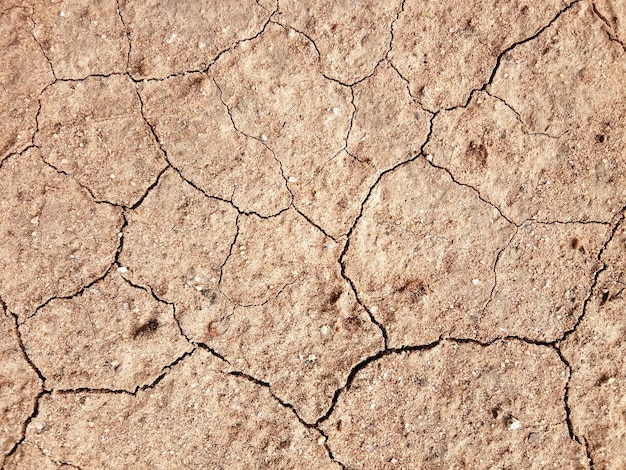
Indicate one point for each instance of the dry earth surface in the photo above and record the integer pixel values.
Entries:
(321, 234)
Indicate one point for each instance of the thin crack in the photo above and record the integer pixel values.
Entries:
(212, 62)
(25, 425)
(609, 28)
(260, 140)
(151, 292)
(521, 121)
(187, 180)
(594, 283)
(83, 186)
(84, 287)
(288, 406)
(138, 388)
(43, 51)
(127, 33)
(480, 196)
(348, 235)
(495, 275)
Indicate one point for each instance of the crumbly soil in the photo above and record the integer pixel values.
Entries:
(319, 234)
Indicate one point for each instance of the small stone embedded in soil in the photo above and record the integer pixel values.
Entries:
(447, 50)
(19, 386)
(543, 278)
(86, 38)
(24, 73)
(452, 406)
(73, 244)
(596, 353)
(202, 143)
(170, 38)
(94, 131)
(111, 336)
(351, 38)
(411, 251)
(222, 419)
(176, 234)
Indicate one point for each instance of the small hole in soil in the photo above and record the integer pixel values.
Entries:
(147, 329)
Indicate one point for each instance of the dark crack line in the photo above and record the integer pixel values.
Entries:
(187, 180)
(25, 425)
(509, 49)
(127, 33)
(428, 159)
(570, 427)
(594, 283)
(212, 61)
(348, 235)
(23, 350)
(364, 363)
(230, 252)
(314, 224)
(84, 287)
(138, 388)
(210, 350)
(290, 407)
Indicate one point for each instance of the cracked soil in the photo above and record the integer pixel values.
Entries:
(320, 234)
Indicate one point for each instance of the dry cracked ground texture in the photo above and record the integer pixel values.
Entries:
(312, 234)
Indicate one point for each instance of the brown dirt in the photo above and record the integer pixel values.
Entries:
(312, 234)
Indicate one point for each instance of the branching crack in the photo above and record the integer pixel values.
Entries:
(291, 408)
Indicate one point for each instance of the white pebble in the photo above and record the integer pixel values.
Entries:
(475, 281)
(122, 269)
(112, 176)
(325, 329)
(263, 137)
(62, 13)
(335, 110)
(515, 425)
(293, 179)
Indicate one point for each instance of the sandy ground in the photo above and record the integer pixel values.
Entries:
(312, 234)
